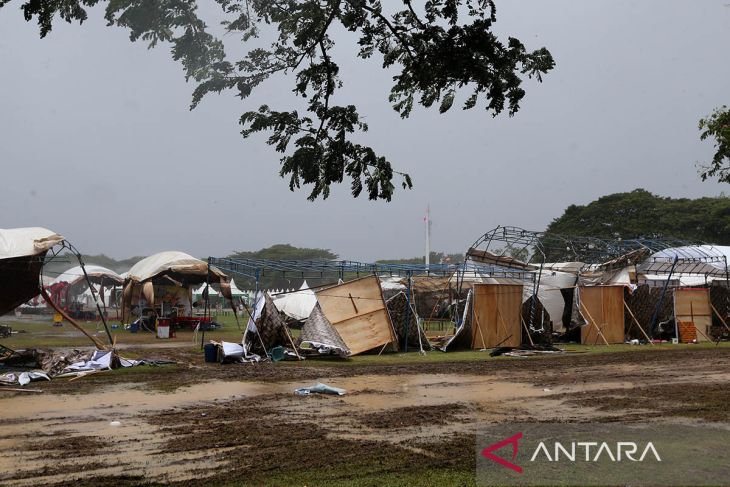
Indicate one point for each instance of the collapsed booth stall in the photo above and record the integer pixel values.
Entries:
(350, 318)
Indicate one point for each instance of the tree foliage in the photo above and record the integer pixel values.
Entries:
(717, 127)
(640, 213)
(435, 49)
(286, 252)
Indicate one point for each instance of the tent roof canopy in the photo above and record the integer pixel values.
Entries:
(175, 265)
(97, 275)
(23, 242)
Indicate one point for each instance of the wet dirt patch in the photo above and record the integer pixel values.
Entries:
(690, 400)
(69, 446)
(411, 416)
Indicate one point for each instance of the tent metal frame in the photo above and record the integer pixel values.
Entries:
(540, 248)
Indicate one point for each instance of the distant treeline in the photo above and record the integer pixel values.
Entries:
(640, 213)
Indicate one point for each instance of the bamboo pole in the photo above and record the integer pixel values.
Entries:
(637, 323)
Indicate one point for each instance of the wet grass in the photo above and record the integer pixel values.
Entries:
(39, 334)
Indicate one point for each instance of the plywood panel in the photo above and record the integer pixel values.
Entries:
(497, 315)
(692, 305)
(365, 332)
(353, 298)
(602, 306)
(357, 311)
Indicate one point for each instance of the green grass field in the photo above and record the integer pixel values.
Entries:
(42, 334)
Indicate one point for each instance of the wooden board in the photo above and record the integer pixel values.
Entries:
(692, 305)
(357, 311)
(497, 313)
(605, 305)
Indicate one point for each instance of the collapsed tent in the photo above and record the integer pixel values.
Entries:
(297, 305)
(22, 252)
(167, 278)
(357, 310)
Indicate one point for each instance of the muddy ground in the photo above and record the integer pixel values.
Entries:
(195, 423)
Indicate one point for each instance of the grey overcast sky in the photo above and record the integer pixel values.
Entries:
(97, 143)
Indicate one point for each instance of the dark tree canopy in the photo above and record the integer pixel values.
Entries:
(436, 48)
(717, 127)
(640, 213)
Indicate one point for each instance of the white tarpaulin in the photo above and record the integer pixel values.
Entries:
(175, 261)
(22, 242)
(297, 305)
(258, 308)
(23, 378)
(392, 284)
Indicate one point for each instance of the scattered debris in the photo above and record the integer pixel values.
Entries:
(319, 388)
(525, 351)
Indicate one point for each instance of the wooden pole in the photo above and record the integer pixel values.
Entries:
(73, 322)
(527, 331)
(291, 340)
(593, 322)
(637, 323)
(479, 327)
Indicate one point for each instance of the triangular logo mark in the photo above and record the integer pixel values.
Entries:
(512, 440)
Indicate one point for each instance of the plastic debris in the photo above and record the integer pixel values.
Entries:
(319, 388)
